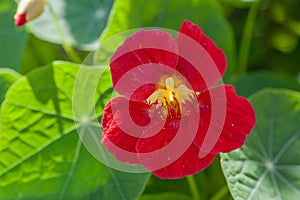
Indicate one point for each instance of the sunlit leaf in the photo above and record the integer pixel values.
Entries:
(41, 155)
(267, 166)
(7, 78)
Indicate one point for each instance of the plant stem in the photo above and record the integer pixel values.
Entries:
(193, 187)
(246, 38)
(68, 49)
(221, 194)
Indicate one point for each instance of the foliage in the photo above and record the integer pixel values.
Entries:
(266, 168)
(41, 153)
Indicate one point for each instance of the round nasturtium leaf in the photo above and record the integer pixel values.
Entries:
(41, 155)
(268, 165)
(76, 22)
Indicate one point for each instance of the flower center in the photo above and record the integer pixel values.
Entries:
(171, 93)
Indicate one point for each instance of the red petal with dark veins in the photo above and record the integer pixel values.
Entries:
(201, 61)
(142, 92)
(189, 163)
(144, 47)
(237, 124)
(169, 143)
(158, 140)
(116, 124)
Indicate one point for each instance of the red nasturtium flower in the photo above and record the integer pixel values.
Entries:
(172, 117)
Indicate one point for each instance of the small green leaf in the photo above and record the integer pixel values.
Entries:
(77, 23)
(267, 166)
(7, 78)
(248, 84)
(41, 155)
(165, 196)
(169, 14)
(12, 39)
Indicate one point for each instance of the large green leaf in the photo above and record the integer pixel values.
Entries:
(7, 78)
(12, 39)
(248, 84)
(169, 14)
(41, 155)
(76, 22)
(268, 165)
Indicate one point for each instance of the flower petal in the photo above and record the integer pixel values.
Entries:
(189, 163)
(201, 62)
(145, 47)
(160, 150)
(28, 10)
(20, 19)
(239, 120)
(158, 140)
(115, 127)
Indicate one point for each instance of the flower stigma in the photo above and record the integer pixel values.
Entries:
(171, 93)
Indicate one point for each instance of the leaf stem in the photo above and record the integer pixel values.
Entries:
(193, 187)
(68, 49)
(221, 194)
(246, 38)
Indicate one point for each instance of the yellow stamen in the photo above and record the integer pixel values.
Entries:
(171, 93)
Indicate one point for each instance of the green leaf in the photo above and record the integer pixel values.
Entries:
(41, 155)
(77, 23)
(165, 196)
(7, 78)
(12, 39)
(267, 166)
(39, 53)
(250, 83)
(169, 14)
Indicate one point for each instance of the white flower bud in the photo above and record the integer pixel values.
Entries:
(28, 10)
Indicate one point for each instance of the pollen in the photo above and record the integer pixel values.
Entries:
(171, 93)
